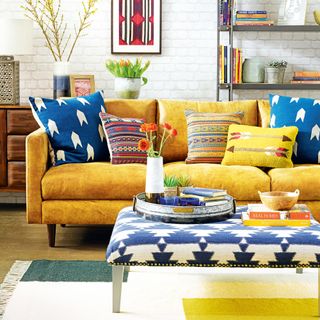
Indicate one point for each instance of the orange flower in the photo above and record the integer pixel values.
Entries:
(167, 126)
(152, 127)
(143, 145)
(143, 127)
(173, 133)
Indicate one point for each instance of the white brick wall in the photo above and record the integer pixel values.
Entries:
(187, 67)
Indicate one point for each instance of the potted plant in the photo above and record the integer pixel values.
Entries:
(47, 14)
(171, 184)
(275, 71)
(128, 77)
(183, 182)
(154, 176)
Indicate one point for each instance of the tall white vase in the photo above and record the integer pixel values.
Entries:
(154, 179)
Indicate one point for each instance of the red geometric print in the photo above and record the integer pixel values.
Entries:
(136, 22)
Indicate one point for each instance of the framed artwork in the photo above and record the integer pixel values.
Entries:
(292, 12)
(136, 26)
(81, 85)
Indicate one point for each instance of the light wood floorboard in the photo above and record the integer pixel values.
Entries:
(22, 241)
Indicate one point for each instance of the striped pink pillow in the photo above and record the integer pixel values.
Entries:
(123, 135)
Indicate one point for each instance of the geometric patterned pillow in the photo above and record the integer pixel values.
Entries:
(123, 136)
(260, 147)
(207, 135)
(73, 127)
(303, 113)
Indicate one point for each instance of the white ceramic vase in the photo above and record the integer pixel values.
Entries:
(61, 79)
(127, 88)
(154, 179)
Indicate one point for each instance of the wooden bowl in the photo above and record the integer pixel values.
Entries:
(279, 200)
(316, 14)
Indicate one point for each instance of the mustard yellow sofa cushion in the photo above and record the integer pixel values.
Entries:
(305, 177)
(126, 108)
(93, 181)
(264, 113)
(242, 182)
(261, 147)
(173, 112)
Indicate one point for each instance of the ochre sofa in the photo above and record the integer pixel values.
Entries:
(93, 193)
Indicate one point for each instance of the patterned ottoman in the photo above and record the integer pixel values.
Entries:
(139, 242)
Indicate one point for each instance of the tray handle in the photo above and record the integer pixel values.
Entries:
(134, 203)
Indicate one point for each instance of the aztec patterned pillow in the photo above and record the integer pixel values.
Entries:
(123, 136)
(260, 147)
(303, 113)
(73, 127)
(207, 135)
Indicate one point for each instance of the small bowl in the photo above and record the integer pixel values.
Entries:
(316, 14)
(279, 200)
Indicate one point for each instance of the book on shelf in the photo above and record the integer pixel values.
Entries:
(252, 12)
(254, 23)
(306, 82)
(252, 19)
(260, 215)
(310, 74)
(306, 78)
(250, 15)
(225, 66)
(226, 14)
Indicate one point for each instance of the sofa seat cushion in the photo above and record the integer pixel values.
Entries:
(93, 181)
(304, 177)
(242, 182)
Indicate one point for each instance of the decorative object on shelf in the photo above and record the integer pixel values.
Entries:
(253, 70)
(81, 85)
(279, 200)
(154, 176)
(275, 71)
(48, 16)
(136, 26)
(171, 184)
(21, 31)
(292, 12)
(316, 15)
(128, 77)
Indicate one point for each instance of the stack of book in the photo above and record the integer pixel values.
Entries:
(206, 197)
(225, 12)
(252, 18)
(306, 77)
(260, 215)
(225, 66)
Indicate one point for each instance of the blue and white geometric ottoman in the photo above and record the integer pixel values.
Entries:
(136, 241)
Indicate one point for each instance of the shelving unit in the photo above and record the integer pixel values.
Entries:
(256, 86)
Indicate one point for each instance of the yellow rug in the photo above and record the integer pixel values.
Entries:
(251, 309)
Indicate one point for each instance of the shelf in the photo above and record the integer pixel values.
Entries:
(275, 28)
(268, 86)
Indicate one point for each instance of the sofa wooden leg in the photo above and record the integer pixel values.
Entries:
(51, 234)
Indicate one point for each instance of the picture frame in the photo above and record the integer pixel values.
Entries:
(293, 12)
(81, 85)
(130, 34)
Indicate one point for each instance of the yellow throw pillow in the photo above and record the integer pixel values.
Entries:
(260, 147)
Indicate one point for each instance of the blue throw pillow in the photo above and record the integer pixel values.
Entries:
(303, 113)
(73, 127)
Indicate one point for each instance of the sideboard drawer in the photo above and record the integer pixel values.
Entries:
(16, 149)
(16, 174)
(20, 122)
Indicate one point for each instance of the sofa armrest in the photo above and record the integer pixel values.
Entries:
(37, 156)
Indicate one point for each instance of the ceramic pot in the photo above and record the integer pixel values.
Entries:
(61, 79)
(253, 70)
(127, 88)
(170, 191)
(274, 75)
(154, 179)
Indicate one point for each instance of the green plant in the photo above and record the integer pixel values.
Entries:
(171, 181)
(128, 69)
(278, 64)
(47, 14)
(184, 181)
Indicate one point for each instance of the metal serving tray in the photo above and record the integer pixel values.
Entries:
(222, 210)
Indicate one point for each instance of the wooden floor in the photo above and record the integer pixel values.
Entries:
(21, 241)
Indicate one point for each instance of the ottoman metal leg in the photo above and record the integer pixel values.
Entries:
(117, 278)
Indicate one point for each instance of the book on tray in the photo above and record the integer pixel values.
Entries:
(311, 77)
(260, 215)
(207, 197)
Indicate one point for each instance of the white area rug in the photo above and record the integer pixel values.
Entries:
(150, 293)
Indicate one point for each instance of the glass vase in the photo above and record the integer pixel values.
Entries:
(127, 88)
(61, 80)
(154, 179)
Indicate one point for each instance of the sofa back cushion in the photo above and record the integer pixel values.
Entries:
(264, 113)
(140, 109)
(173, 112)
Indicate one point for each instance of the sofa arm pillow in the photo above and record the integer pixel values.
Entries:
(207, 135)
(260, 147)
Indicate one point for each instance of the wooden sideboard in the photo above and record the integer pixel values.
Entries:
(16, 122)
